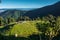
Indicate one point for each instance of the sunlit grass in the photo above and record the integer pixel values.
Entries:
(24, 29)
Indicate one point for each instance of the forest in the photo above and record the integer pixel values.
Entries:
(25, 28)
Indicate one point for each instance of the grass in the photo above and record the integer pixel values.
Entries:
(24, 29)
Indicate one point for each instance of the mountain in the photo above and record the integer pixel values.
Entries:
(23, 9)
(11, 13)
(14, 12)
(40, 12)
(53, 9)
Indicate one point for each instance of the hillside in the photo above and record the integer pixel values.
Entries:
(23, 29)
(44, 11)
(11, 12)
(39, 12)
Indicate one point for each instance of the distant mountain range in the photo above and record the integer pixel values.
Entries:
(12, 13)
(26, 9)
(53, 9)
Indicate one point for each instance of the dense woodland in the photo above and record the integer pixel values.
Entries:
(25, 28)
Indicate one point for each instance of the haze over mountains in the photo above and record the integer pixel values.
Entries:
(53, 9)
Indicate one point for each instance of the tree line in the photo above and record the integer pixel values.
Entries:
(49, 27)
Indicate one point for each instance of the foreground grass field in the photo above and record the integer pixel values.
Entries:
(26, 30)
(23, 29)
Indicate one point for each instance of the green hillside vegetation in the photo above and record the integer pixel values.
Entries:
(23, 29)
(46, 28)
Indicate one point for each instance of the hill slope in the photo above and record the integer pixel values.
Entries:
(24, 29)
(11, 12)
(51, 9)
(40, 12)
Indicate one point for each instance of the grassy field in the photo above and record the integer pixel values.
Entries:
(26, 30)
(23, 29)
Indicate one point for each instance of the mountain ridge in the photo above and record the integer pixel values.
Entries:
(44, 11)
(53, 9)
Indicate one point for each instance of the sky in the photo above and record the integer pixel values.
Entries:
(26, 3)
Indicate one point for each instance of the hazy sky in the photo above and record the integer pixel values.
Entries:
(26, 3)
